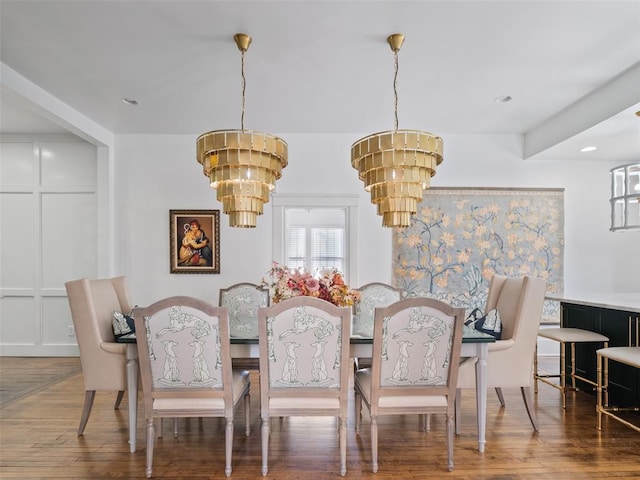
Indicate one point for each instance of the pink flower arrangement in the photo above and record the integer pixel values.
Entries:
(328, 285)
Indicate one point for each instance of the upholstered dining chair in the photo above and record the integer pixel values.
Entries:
(518, 301)
(92, 303)
(243, 300)
(416, 356)
(372, 295)
(185, 367)
(304, 365)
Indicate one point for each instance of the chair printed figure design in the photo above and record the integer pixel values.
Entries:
(416, 353)
(372, 295)
(93, 304)
(304, 364)
(243, 301)
(185, 367)
(519, 302)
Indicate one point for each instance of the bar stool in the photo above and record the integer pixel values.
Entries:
(628, 356)
(570, 336)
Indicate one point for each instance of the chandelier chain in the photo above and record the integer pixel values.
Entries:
(244, 86)
(395, 88)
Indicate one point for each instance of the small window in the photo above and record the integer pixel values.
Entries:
(315, 238)
(316, 232)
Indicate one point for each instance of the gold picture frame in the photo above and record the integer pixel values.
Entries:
(194, 241)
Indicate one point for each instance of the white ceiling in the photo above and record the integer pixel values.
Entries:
(319, 66)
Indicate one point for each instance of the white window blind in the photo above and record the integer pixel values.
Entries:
(315, 238)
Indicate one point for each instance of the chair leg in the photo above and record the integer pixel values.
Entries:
(228, 446)
(358, 404)
(449, 442)
(265, 445)
(374, 444)
(89, 395)
(528, 402)
(151, 436)
(175, 427)
(535, 370)
(500, 395)
(426, 422)
(247, 415)
(563, 372)
(343, 446)
(458, 409)
(118, 399)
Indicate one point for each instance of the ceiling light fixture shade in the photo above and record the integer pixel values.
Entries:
(396, 166)
(242, 165)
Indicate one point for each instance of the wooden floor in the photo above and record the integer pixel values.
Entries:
(41, 400)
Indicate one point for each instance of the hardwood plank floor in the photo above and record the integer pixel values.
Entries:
(42, 399)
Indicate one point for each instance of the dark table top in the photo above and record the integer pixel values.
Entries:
(468, 336)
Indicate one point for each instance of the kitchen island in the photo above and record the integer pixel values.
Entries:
(616, 316)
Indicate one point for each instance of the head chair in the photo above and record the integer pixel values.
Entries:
(92, 304)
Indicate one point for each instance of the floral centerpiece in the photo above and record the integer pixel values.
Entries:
(328, 285)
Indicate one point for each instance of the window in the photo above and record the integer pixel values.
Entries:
(316, 232)
(315, 238)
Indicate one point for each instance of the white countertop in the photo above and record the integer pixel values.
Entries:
(616, 301)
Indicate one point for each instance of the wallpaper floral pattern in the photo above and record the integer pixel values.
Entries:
(461, 237)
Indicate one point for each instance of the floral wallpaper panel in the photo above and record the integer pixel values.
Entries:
(461, 237)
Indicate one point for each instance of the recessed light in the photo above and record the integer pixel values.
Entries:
(503, 99)
(588, 149)
(129, 101)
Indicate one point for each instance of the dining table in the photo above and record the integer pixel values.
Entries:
(475, 344)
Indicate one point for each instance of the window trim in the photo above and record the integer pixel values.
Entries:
(281, 201)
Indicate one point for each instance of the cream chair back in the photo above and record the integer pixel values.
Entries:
(372, 296)
(416, 341)
(243, 300)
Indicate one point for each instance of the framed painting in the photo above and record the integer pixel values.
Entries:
(195, 241)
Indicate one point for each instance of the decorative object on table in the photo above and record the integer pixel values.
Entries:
(396, 166)
(327, 284)
(195, 241)
(625, 197)
(461, 237)
(123, 325)
(242, 165)
(488, 323)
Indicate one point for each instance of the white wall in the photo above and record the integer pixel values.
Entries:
(156, 173)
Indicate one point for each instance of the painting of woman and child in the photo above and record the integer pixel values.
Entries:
(195, 241)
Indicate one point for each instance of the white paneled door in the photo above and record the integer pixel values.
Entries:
(48, 235)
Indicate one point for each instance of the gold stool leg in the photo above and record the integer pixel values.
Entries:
(573, 366)
(606, 372)
(599, 390)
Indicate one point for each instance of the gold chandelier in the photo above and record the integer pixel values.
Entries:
(242, 165)
(396, 166)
